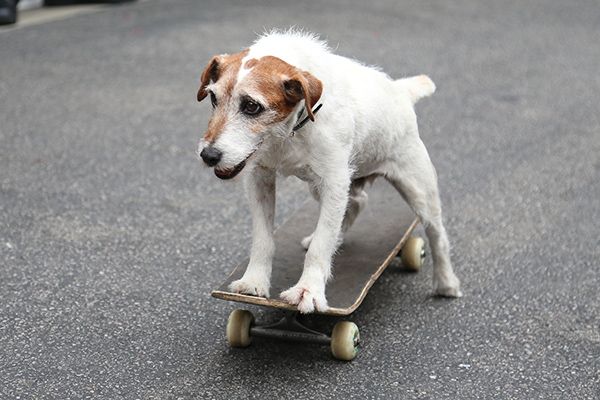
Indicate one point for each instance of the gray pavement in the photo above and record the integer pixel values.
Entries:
(112, 235)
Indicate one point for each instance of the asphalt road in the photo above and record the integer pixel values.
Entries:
(112, 235)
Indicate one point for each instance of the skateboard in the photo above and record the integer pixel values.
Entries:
(380, 233)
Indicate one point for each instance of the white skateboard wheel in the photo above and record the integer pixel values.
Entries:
(413, 253)
(344, 340)
(238, 328)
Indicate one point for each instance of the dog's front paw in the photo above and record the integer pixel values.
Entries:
(251, 285)
(447, 286)
(307, 298)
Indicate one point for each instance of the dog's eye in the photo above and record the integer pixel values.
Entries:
(251, 107)
(213, 99)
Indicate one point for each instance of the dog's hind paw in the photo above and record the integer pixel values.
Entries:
(447, 287)
(306, 299)
(306, 241)
(251, 286)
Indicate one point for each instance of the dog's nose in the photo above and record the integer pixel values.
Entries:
(211, 156)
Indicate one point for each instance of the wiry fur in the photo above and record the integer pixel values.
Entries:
(366, 128)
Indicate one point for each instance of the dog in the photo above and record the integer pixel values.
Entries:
(289, 105)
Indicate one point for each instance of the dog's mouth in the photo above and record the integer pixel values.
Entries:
(231, 172)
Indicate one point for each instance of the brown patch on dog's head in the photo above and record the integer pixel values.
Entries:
(221, 67)
(215, 126)
(283, 85)
(269, 82)
(250, 63)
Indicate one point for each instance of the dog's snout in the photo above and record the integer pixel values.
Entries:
(211, 156)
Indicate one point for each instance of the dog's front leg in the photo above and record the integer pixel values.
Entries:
(260, 189)
(309, 293)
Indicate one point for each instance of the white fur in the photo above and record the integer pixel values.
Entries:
(367, 127)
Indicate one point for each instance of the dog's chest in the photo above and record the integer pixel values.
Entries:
(298, 167)
(303, 172)
(291, 160)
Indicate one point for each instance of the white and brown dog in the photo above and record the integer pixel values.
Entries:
(263, 98)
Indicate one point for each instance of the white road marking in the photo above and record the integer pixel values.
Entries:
(47, 14)
(41, 15)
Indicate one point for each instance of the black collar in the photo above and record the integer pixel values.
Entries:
(300, 124)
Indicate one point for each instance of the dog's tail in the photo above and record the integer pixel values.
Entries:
(417, 87)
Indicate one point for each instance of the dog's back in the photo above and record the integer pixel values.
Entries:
(351, 90)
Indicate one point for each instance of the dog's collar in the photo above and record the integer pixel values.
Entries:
(300, 124)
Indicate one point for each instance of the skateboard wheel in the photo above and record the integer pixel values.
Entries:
(413, 253)
(344, 340)
(238, 328)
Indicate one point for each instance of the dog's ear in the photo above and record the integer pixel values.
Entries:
(303, 86)
(210, 73)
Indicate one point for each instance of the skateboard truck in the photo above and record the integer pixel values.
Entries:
(344, 340)
(290, 328)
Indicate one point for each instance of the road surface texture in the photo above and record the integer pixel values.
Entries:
(112, 234)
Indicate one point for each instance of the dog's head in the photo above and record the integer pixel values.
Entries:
(251, 98)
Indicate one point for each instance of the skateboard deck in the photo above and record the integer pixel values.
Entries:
(369, 247)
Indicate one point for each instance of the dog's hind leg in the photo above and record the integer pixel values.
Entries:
(314, 191)
(357, 201)
(416, 180)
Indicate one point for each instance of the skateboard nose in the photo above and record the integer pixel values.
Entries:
(211, 156)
